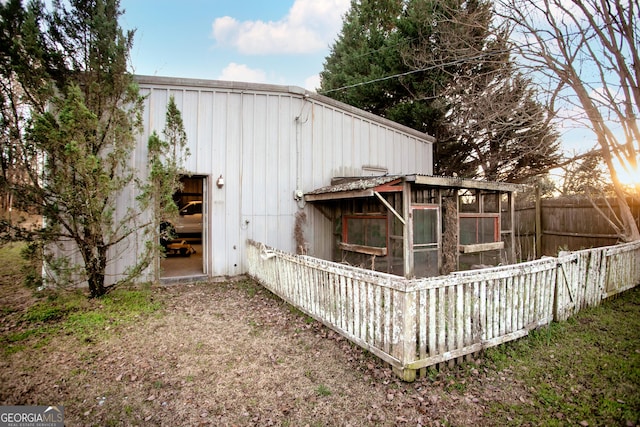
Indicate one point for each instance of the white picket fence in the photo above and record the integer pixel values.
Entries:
(414, 324)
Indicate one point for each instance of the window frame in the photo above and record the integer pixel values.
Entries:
(436, 243)
(497, 242)
(355, 246)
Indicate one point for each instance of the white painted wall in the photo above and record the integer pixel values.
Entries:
(267, 141)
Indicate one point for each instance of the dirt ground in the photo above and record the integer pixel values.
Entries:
(232, 354)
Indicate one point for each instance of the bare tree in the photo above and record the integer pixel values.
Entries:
(493, 114)
(587, 52)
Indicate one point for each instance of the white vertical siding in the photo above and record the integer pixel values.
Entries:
(249, 133)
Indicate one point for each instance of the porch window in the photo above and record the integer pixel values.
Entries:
(479, 219)
(365, 234)
(480, 232)
(425, 226)
(425, 240)
(476, 228)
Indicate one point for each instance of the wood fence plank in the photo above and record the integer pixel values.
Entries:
(495, 309)
(423, 319)
(432, 325)
(483, 321)
(341, 301)
(459, 315)
(468, 313)
(364, 309)
(538, 294)
(516, 312)
(509, 304)
(412, 324)
(371, 314)
(529, 285)
(356, 308)
(314, 289)
(502, 307)
(450, 337)
(476, 330)
(441, 319)
(376, 324)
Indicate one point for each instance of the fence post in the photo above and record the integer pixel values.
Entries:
(556, 292)
(406, 349)
(538, 226)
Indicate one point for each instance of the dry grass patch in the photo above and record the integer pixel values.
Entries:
(218, 354)
(233, 354)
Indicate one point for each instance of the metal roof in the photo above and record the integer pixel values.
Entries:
(236, 86)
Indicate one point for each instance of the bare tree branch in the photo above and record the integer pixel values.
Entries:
(588, 52)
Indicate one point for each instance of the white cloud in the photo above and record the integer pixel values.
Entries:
(242, 73)
(310, 26)
(312, 82)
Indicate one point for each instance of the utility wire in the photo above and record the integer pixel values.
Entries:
(406, 73)
(432, 67)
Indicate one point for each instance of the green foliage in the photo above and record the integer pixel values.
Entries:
(32, 268)
(165, 164)
(323, 391)
(368, 51)
(12, 262)
(71, 110)
(443, 67)
(584, 369)
(21, 262)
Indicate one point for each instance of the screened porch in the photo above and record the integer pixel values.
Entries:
(417, 225)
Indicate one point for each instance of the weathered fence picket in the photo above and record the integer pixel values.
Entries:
(414, 324)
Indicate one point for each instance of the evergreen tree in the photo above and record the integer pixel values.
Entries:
(366, 68)
(72, 113)
(165, 164)
(445, 70)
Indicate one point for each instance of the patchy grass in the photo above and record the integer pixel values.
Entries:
(31, 318)
(73, 314)
(583, 371)
(234, 354)
(11, 267)
(323, 390)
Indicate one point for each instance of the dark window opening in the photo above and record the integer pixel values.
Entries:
(481, 228)
(365, 230)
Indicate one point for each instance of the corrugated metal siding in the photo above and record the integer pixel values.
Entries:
(249, 134)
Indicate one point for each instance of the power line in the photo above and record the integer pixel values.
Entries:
(432, 67)
(406, 73)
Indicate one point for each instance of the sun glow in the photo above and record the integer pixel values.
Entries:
(628, 176)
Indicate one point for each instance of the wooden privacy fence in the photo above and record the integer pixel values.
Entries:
(416, 323)
(567, 223)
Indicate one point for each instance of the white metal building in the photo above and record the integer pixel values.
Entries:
(270, 145)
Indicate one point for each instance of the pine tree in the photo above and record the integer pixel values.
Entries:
(441, 67)
(72, 113)
(165, 164)
(366, 68)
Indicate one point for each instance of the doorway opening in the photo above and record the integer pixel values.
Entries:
(184, 253)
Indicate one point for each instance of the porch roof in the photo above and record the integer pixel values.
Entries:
(346, 188)
(455, 182)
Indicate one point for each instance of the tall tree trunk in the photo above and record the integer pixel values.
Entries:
(630, 230)
(95, 258)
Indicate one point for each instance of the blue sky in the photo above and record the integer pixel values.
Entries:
(265, 41)
(277, 41)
